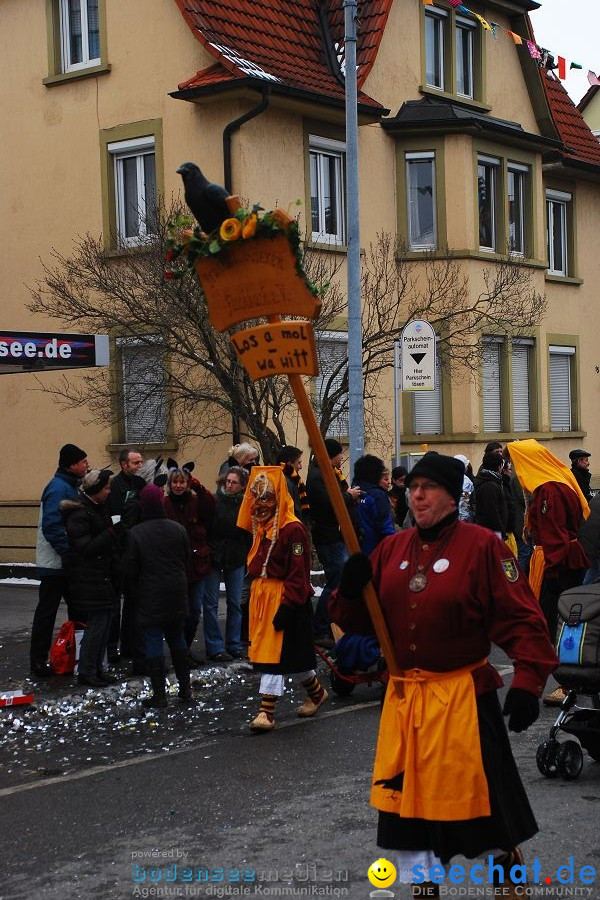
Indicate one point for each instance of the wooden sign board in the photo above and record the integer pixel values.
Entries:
(281, 348)
(252, 279)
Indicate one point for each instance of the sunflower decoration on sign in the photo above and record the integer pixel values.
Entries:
(187, 243)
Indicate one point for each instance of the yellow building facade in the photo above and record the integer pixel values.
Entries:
(467, 148)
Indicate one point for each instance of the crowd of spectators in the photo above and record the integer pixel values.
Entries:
(101, 541)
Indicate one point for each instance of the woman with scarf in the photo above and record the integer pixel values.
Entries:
(280, 627)
(445, 780)
(229, 547)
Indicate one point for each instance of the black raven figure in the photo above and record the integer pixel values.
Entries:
(206, 200)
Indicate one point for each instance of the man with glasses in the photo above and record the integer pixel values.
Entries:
(445, 781)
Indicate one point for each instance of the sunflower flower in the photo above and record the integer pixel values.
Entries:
(230, 230)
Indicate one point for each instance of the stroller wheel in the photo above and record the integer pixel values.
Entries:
(570, 760)
(339, 686)
(546, 758)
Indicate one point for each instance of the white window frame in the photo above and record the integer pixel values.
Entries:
(65, 37)
(136, 148)
(465, 26)
(436, 55)
(412, 206)
(557, 202)
(493, 164)
(519, 173)
(428, 406)
(130, 434)
(322, 151)
(339, 427)
(560, 377)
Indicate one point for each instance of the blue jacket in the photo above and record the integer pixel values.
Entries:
(375, 512)
(52, 543)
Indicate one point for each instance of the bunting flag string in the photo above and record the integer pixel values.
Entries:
(541, 55)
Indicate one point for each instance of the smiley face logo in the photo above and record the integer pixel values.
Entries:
(381, 873)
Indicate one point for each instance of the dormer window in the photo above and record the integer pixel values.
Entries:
(453, 51)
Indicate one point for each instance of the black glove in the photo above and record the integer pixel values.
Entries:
(283, 617)
(522, 707)
(357, 572)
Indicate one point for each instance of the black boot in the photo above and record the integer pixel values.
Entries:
(190, 626)
(181, 664)
(157, 672)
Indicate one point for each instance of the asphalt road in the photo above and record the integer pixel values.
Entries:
(95, 793)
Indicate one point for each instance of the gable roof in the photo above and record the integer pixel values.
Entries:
(289, 47)
(581, 146)
(589, 95)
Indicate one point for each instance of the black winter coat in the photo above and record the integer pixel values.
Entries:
(158, 555)
(325, 528)
(583, 478)
(490, 502)
(94, 550)
(228, 544)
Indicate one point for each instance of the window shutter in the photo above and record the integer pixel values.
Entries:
(520, 386)
(492, 384)
(144, 400)
(332, 350)
(560, 389)
(428, 415)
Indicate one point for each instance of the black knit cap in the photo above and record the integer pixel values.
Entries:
(578, 454)
(333, 447)
(444, 470)
(69, 455)
(369, 468)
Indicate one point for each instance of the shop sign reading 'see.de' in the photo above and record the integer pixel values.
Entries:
(34, 351)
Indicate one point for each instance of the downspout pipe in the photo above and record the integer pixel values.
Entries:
(235, 126)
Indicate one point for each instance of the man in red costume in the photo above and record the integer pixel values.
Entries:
(556, 507)
(445, 781)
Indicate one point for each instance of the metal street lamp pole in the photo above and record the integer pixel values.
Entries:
(356, 425)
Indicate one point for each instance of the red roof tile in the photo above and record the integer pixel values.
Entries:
(281, 42)
(572, 128)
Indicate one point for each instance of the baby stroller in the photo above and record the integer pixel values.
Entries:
(578, 649)
(353, 660)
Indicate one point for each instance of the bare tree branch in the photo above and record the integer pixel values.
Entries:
(206, 387)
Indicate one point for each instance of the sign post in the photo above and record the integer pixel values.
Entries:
(417, 349)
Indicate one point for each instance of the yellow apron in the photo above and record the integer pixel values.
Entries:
(428, 749)
(265, 598)
(536, 570)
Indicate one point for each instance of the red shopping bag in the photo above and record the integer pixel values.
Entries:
(63, 653)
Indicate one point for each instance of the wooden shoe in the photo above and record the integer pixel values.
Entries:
(309, 707)
(508, 889)
(262, 722)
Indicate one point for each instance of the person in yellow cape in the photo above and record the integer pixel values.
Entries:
(445, 780)
(555, 509)
(280, 616)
